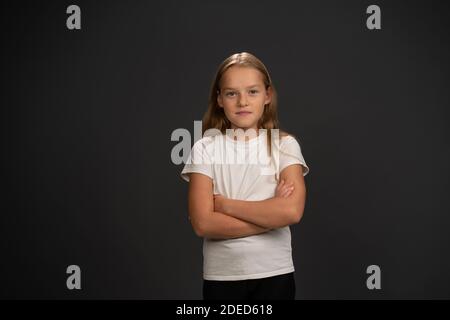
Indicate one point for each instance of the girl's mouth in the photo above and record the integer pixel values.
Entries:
(243, 113)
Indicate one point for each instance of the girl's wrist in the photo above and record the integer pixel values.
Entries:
(221, 204)
(226, 205)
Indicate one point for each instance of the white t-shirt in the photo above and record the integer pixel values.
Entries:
(239, 171)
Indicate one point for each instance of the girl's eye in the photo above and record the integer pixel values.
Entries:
(253, 91)
(229, 94)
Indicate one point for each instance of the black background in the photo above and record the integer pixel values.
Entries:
(87, 117)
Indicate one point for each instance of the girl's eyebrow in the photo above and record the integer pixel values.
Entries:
(227, 88)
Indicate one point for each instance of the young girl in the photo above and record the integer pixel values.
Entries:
(243, 209)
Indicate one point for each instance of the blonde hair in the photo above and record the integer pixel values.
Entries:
(215, 116)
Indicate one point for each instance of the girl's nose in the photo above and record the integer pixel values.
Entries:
(243, 101)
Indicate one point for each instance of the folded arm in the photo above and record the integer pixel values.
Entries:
(212, 224)
(272, 213)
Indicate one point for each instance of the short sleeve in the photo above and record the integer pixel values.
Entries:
(199, 161)
(290, 153)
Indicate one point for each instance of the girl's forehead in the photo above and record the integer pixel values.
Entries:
(241, 77)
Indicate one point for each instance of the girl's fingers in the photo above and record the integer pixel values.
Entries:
(288, 187)
(287, 191)
(283, 183)
(284, 189)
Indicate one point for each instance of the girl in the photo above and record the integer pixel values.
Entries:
(243, 210)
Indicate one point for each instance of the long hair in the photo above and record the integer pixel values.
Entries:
(215, 116)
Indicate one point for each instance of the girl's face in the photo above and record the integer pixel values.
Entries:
(243, 96)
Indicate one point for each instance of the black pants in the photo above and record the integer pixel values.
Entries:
(281, 287)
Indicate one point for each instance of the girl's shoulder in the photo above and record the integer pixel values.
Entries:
(286, 137)
(289, 140)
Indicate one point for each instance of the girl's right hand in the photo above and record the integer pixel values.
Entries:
(284, 189)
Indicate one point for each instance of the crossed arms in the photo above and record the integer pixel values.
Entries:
(217, 217)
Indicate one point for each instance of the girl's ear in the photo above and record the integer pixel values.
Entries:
(219, 99)
(268, 95)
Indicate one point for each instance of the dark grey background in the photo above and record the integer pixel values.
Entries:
(87, 118)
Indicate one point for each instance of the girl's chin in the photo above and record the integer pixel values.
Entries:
(244, 123)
